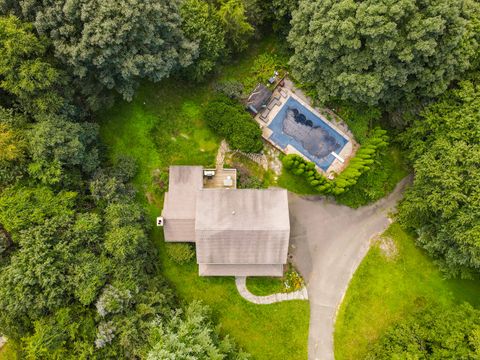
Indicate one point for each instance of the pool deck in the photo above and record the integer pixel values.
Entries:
(336, 166)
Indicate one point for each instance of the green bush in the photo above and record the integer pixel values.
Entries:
(293, 281)
(359, 118)
(230, 120)
(358, 165)
(376, 183)
(263, 68)
(230, 88)
(180, 253)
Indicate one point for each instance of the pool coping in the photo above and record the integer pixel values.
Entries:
(336, 166)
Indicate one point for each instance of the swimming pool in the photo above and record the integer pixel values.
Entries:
(298, 126)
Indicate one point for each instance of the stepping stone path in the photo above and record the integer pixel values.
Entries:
(241, 282)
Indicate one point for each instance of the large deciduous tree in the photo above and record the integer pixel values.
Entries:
(234, 19)
(114, 43)
(57, 144)
(381, 51)
(434, 332)
(443, 205)
(202, 25)
(24, 70)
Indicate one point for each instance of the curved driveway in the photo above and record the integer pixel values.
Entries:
(328, 242)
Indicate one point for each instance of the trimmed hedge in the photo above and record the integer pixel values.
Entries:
(365, 156)
(230, 120)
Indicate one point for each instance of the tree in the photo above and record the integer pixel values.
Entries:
(56, 144)
(22, 208)
(202, 25)
(114, 44)
(433, 333)
(234, 20)
(67, 334)
(24, 70)
(190, 336)
(282, 13)
(384, 51)
(443, 205)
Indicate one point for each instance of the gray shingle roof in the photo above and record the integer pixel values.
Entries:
(258, 98)
(183, 185)
(242, 226)
(242, 209)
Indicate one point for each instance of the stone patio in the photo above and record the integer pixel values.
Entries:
(282, 95)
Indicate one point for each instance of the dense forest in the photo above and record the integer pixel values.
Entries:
(79, 274)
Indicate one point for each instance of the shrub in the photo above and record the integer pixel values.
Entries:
(263, 68)
(230, 88)
(293, 280)
(358, 165)
(358, 117)
(229, 120)
(180, 253)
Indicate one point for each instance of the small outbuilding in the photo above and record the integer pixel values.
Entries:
(238, 232)
(258, 99)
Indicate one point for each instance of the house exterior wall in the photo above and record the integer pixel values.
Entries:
(240, 270)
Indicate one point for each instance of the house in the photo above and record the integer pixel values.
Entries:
(237, 232)
(258, 99)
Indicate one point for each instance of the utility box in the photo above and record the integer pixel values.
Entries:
(160, 221)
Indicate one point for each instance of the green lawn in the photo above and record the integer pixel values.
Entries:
(383, 291)
(296, 184)
(277, 331)
(264, 285)
(163, 126)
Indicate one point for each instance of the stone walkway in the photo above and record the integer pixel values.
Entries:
(241, 282)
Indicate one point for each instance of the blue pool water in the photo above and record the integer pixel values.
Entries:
(296, 125)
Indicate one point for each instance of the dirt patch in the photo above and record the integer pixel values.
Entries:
(387, 247)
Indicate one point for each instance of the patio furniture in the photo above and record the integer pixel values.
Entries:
(209, 173)
(283, 93)
(228, 181)
(272, 104)
(264, 114)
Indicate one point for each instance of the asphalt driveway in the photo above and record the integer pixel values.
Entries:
(328, 242)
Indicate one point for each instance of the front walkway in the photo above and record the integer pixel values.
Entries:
(328, 242)
(241, 282)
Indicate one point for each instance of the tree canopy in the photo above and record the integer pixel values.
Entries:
(384, 51)
(202, 25)
(114, 44)
(443, 205)
(435, 332)
(24, 70)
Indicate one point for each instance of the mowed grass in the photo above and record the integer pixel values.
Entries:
(262, 286)
(384, 290)
(277, 331)
(160, 127)
(163, 126)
